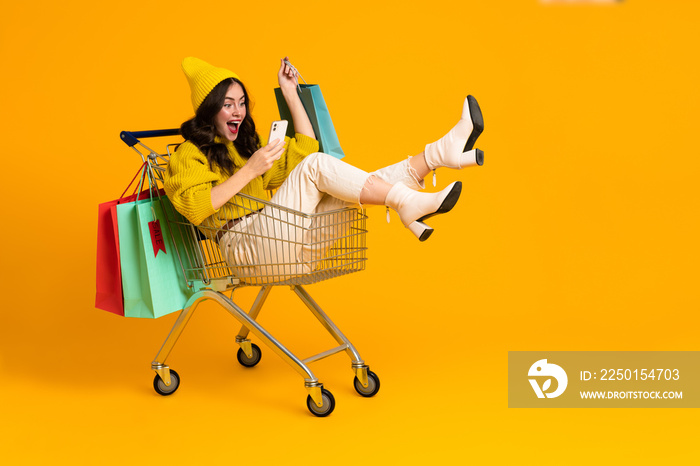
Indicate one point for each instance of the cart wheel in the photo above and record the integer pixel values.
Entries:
(328, 404)
(249, 361)
(372, 385)
(163, 389)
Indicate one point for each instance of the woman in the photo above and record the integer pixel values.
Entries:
(222, 156)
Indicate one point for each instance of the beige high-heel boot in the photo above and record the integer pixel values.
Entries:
(456, 148)
(414, 207)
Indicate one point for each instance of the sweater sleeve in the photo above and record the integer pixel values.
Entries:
(188, 183)
(297, 148)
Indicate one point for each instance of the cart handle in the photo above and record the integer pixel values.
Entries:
(131, 138)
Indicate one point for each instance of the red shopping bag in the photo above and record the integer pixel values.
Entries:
(109, 296)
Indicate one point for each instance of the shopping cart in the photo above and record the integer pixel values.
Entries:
(315, 247)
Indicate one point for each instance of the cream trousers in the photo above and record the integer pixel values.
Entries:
(279, 243)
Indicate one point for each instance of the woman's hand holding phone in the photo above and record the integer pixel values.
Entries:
(263, 159)
(258, 163)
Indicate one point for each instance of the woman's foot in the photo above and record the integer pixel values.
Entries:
(414, 207)
(456, 148)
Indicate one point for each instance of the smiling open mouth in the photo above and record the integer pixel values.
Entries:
(233, 126)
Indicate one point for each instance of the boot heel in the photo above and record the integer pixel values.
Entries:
(472, 157)
(420, 230)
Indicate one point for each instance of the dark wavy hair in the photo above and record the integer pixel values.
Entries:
(201, 130)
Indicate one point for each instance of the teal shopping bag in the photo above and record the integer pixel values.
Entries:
(152, 278)
(316, 109)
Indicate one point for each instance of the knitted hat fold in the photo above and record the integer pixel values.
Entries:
(203, 78)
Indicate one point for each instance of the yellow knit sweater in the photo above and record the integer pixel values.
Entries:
(189, 179)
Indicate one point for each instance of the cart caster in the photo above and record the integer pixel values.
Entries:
(166, 390)
(328, 404)
(246, 361)
(372, 385)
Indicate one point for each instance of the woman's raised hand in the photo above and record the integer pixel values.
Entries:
(288, 80)
(287, 77)
(262, 160)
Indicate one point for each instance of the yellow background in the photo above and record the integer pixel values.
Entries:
(579, 232)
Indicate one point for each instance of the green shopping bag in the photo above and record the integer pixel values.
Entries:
(152, 279)
(320, 118)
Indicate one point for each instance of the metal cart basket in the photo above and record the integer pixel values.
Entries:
(298, 249)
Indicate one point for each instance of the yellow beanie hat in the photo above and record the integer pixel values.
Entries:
(203, 78)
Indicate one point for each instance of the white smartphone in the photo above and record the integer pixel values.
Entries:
(278, 130)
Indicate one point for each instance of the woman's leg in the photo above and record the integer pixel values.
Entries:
(273, 240)
(321, 173)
